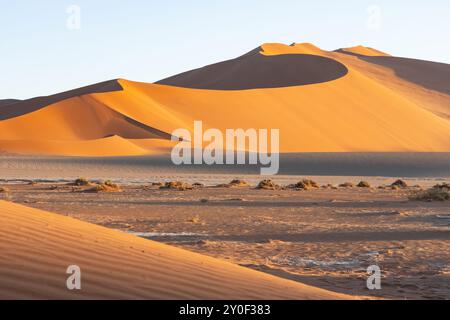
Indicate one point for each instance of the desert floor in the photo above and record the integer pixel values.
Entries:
(321, 237)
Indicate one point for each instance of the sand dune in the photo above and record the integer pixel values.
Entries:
(352, 100)
(107, 147)
(6, 102)
(255, 71)
(365, 51)
(33, 104)
(37, 247)
(431, 75)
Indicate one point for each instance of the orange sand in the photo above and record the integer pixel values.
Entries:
(368, 110)
(37, 247)
(365, 51)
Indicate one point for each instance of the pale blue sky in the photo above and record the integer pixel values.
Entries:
(149, 40)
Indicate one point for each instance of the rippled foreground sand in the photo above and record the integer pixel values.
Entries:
(322, 237)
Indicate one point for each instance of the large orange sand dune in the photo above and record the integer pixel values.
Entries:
(36, 248)
(351, 100)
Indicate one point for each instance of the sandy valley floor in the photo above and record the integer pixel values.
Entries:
(322, 237)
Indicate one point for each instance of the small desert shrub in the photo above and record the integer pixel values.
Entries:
(297, 186)
(4, 190)
(399, 184)
(305, 184)
(234, 184)
(110, 184)
(310, 183)
(442, 186)
(195, 219)
(107, 186)
(268, 185)
(82, 182)
(176, 185)
(434, 194)
(346, 185)
(363, 184)
(5, 194)
(238, 183)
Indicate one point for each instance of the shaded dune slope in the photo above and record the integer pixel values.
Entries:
(425, 83)
(6, 102)
(37, 247)
(431, 75)
(21, 107)
(256, 71)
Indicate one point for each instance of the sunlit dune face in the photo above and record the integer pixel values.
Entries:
(363, 51)
(39, 245)
(321, 101)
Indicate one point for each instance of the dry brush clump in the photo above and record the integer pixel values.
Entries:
(363, 184)
(268, 184)
(156, 184)
(177, 185)
(82, 182)
(399, 184)
(442, 186)
(5, 194)
(346, 185)
(107, 186)
(437, 193)
(4, 190)
(195, 219)
(236, 183)
(305, 184)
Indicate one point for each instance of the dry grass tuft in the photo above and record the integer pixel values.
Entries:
(346, 185)
(437, 193)
(107, 186)
(399, 184)
(234, 184)
(268, 184)
(177, 185)
(238, 183)
(363, 184)
(195, 219)
(305, 184)
(82, 182)
(4, 190)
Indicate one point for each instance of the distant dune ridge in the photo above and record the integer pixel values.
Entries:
(363, 51)
(356, 99)
(37, 247)
(6, 102)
